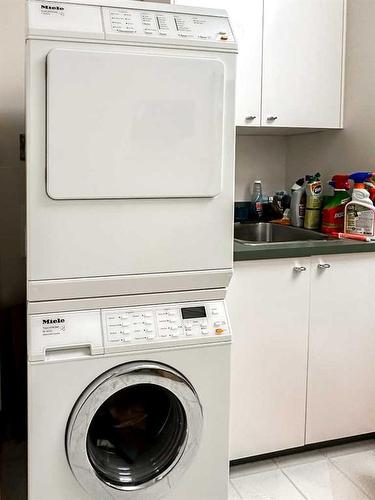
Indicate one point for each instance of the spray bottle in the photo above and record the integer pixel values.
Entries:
(370, 186)
(333, 212)
(360, 212)
(314, 199)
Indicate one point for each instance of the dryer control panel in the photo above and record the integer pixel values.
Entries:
(167, 25)
(126, 20)
(132, 326)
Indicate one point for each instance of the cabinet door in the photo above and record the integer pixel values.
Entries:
(268, 307)
(341, 380)
(303, 63)
(246, 19)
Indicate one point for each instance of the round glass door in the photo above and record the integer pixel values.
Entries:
(133, 428)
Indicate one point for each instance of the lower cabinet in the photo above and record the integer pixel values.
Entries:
(268, 302)
(341, 371)
(303, 354)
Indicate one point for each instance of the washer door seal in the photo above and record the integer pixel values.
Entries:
(133, 432)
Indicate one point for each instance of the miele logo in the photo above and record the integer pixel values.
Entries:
(52, 7)
(50, 321)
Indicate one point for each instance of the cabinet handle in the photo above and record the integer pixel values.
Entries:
(299, 269)
(324, 266)
(271, 118)
(249, 118)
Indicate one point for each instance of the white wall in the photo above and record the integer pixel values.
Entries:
(12, 170)
(259, 157)
(353, 148)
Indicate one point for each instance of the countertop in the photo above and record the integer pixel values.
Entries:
(299, 249)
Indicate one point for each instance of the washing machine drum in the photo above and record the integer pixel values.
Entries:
(133, 432)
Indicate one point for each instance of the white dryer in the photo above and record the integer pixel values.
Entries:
(130, 148)
(129, 403)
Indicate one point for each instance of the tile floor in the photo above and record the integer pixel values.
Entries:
(345, 472)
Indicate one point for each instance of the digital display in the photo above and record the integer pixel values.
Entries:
(193, 312)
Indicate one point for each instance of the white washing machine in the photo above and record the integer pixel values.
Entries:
(129, 403)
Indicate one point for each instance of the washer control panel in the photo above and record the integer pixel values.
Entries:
(167, 25)
(164, 323)
(63, 335)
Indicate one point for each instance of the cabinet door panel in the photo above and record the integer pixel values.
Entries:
(341, 380)
(268, 307)
(246, 17)
(302, 63)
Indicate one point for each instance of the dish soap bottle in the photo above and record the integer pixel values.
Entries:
(314, 200)
(360, 212)
(256, 198)
(333, 212)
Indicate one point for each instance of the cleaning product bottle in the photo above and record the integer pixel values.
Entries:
(314, 200)
(360, 212)
(298, 203)
(256, 198)
(333, 212)
(370, 186)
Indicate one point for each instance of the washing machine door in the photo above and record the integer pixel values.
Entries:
(133, 432)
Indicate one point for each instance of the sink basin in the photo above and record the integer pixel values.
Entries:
(266, 232)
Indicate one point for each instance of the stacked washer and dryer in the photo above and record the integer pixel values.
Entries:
(130, 166)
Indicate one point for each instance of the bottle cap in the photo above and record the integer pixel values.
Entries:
(340, 181)
(359, 178)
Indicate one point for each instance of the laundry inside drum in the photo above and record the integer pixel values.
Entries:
(136, 435)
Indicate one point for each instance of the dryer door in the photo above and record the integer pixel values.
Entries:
(134, 125)
(133, 432)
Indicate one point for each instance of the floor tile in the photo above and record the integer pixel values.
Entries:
(269, 485)
(360, 468)
(252, 468)
(321, 480)
(299, 458)
(233, 495)
(349, 448)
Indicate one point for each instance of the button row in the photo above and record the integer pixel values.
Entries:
(121, 336)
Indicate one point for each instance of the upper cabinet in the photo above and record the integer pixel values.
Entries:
(246, 19)
(290, 63)
(302, 63)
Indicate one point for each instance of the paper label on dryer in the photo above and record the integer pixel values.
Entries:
(62, 19)
(52, 9)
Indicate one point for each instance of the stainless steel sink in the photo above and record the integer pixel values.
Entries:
(266, 232)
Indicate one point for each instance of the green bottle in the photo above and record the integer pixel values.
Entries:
(314, 200)
(333, 212)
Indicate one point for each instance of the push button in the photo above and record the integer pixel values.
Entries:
(219, 331)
